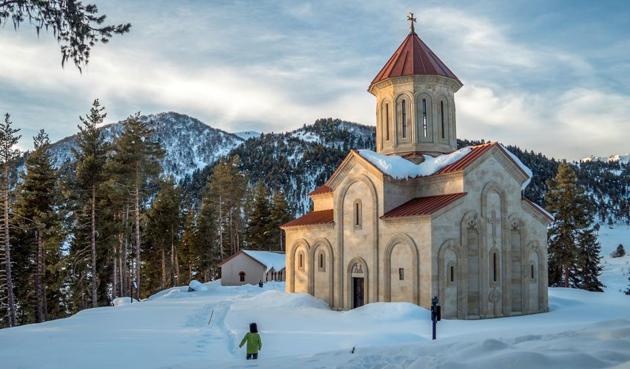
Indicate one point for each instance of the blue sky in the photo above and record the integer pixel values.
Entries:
(548, 76)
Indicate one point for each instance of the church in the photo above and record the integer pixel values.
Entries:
(419, 217)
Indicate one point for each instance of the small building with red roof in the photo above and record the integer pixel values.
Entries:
(419, 217)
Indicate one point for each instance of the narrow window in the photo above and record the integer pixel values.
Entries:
(404, 119)
(357, 214)
(452, 272)
(241, 276)
(442, 118)
(531, 271)
(401, 274)
(321, 261)
(425, 129)
(494, 266)
(387, 122)
(300, 261)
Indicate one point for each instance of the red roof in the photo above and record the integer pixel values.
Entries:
(423, 205)
(321, 189)
(314, 217)
(474, 154)
(413, 57)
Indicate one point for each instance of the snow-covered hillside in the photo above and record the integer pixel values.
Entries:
(198, 330)
(188, 143)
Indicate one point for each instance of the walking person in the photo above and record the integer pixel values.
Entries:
(254, 344)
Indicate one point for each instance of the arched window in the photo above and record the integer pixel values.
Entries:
(532, 274)
(425, 123)
(300, 261)
(357, 214)
(386, 118)
(442, 118)
(241, 276)
(404, 118)
(322, 262)
(451, 275)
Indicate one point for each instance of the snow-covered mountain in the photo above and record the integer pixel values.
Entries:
(615, 158)
(298, 161)
(188, 143)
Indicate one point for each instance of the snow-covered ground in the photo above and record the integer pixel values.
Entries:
(198, 330)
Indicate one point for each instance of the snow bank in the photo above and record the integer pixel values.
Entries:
(390, 311)
(121, 301)
(195, 285)
(272, 260)
(400, 168)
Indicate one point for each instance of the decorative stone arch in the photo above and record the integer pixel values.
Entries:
(402, 239)
(419, 115)
(322, 243)
(516, 266)
(534, 249)
(339, 218)
(443, 274)
(366, 280)
(502, 243)
(472, 259)
(300, 244)
(409, 111)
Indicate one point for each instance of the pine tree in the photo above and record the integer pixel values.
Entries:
(38, 230)
(136, 163)
(280, 214)
(90, 156)
(77, 27)
(162, 231)
(226, 191)
(187, 255)
(8, 153)
(259, 228)
(206, 246)
(573, 248)
(589, 258)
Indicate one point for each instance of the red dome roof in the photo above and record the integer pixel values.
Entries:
(413, 57)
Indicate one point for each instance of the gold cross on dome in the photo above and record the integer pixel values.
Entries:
(411, 20)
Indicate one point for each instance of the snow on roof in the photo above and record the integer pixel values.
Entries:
(272, 260)
(523, 167)
(398, 167)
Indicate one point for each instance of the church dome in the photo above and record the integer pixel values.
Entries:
(413, 58)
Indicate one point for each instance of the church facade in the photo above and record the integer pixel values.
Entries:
(419, 218)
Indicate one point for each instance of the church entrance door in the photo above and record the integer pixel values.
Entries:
(358, 292)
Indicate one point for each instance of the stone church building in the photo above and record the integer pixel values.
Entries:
(419, 218)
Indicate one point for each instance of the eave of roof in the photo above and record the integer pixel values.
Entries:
(321, 190)
(423, 205)
(312, 218)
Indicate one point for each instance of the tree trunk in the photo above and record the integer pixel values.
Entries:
(123, 266)
(163, 269)
(39, 312)
(137, 221)
(93, 246)
(114, 271)
(7, 249)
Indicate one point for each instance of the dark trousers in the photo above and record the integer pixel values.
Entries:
(252, 356)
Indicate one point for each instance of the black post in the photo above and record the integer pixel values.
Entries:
(436, 315)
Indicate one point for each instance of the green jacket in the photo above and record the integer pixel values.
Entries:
(253, 343)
